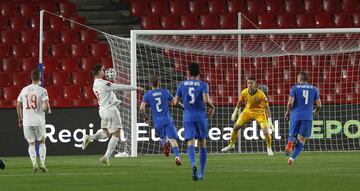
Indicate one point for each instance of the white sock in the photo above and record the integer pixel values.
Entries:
(111, 146)
(100, 134)
(42, 152)
(32, 154)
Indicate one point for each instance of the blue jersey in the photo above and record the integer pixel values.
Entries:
(191, 91)
(159, 104)
(304, 95)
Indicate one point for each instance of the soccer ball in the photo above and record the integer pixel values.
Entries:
(110, 74)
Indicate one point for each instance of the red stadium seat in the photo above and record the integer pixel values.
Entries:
(342, 20)
(248, 21)
(99, 49)
(170, 22)
(256, 6)
(60, 78)
(4, 51)
(34, 50)
(8, 9)
(356, 20)
(139, 8)
(28, 64)
(189, 21)
(69, 64)
(305, 21)
(72, 92)
(10, 37)
(81, 78)
(88, 92)
(4, 80)
(106, 62)
(20, 51)
(150, 22)
(293, 6)
(19, 23)
(68, 9)
(28, 9)
(78, 19)
(51, 36)
(60, 102)
(54, 92)
(158, 7)
(274, 6)
(286, 20)
(11, 93)
(69, 36)
(216, 6)
(266, 21)
(34, 23)
(51, 64)
(331, 6)
(29, 36)
(209, 21)
(323, 20)
(350, 6)
(10, 65)
(4, 23)
(228, 21)
(197, 6)
(79, 50)
(178, 7)
(48, 6)
(235, 6)
(59, 50)
(87, 63)
(57, 24)
(21, 79)
(88, 36)
(312, 6)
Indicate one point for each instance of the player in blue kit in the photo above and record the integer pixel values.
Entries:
(300, 110)
(194, 94)
(159, 100)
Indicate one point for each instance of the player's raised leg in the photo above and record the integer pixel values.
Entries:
(304, 133)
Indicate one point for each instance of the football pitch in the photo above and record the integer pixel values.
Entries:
(312, 171)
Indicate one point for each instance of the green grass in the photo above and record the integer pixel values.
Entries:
(312, 171)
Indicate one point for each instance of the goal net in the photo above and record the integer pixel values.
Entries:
(331, 58)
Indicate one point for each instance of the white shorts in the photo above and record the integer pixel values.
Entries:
(110, 119)
(34, 133)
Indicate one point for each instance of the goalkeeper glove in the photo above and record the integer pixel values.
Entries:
(270, 124)
(234, 115)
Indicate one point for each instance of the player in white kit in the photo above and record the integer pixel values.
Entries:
(32, 103)
(108, 111)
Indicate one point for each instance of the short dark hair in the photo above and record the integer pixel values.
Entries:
(96, 69)
(35, 75)
(251, 78)
(194, 69)
(154, 80)
(304, 76)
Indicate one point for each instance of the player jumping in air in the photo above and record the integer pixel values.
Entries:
(257, 107)
(300, 110)
(32, 103)
(195, 93)
(108, 111)
(159, 99)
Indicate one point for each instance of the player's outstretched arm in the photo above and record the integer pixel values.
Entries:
(19, 113)
(289, 106)
(123, 87)
(209, 103)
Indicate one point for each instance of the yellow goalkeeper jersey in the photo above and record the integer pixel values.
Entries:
(256, 102)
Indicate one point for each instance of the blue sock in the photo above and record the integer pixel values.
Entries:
(176, 151)
(291, 139)
(298, 148)
(191, 153)
(202, 160)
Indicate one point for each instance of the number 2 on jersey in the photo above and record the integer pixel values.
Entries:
(33, 100)
(306, 96)
(158, 103)
(192, 95)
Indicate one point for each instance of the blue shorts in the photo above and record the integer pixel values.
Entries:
(195, 130)
(167, 130)
(302, 127)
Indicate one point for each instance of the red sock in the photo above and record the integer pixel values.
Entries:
(289, 146)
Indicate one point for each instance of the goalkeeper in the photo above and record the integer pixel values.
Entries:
(257, 107)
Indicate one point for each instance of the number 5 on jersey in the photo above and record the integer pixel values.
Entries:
(192, 95)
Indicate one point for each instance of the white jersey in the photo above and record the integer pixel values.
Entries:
(33, 97)
(104, 92)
